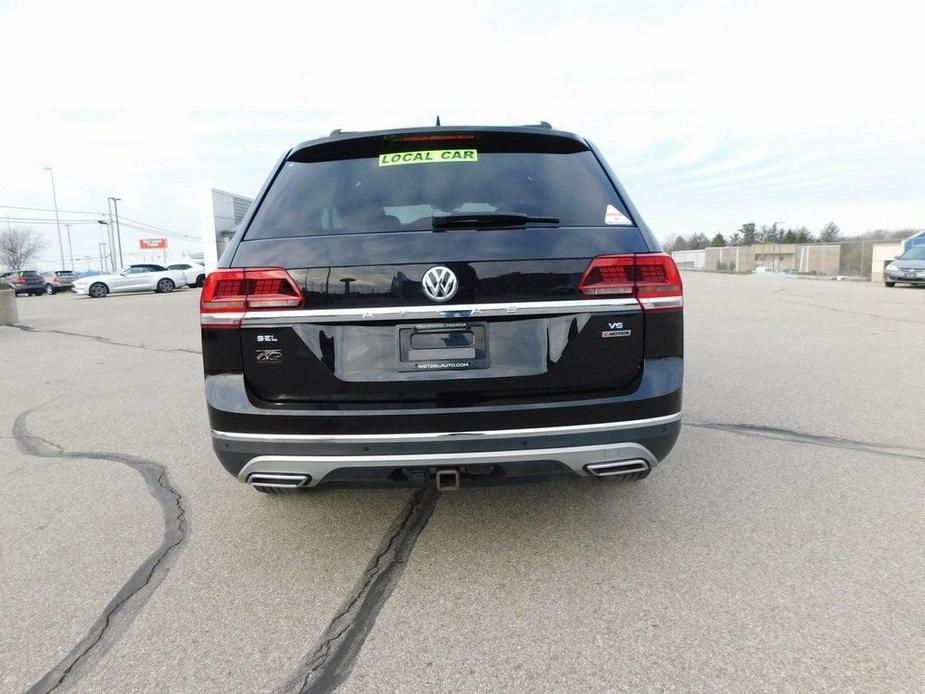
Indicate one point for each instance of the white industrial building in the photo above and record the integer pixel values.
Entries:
(220, 212)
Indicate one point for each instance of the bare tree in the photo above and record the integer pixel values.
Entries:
(18, 246)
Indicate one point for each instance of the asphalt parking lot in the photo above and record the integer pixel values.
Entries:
(781, 547)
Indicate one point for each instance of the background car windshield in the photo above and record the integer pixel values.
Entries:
(914, 253)
(360, 196)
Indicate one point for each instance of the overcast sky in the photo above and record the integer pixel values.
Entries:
(712, 113)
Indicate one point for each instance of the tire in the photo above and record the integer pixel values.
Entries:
(165, 286)
(98, 290)
(201, 280)
(890, 284)
(50, 289)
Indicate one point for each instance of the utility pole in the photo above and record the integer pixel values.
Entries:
(70, 248)
(101, 244)
(110, 231)
(115, 205)
(54, 196)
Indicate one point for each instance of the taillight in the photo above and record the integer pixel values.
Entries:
(652, 278)
(227, 294)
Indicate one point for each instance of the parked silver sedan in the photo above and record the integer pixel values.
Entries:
(908, 268)
(134, 278)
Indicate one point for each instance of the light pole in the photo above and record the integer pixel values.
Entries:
(776, 247)
(54, 196)
(102, 255)
(70, 248)
(115, 206)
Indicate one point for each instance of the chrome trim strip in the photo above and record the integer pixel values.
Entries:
(220, 318)
(663, 302)
(428, 312)
(447, 435)
(319, 466)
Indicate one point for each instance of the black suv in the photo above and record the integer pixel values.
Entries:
(463, 305)
(24, 282)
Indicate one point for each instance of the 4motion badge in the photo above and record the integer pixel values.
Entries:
(616, 330)
(269, 356)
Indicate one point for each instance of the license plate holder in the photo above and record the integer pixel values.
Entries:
(451, 346)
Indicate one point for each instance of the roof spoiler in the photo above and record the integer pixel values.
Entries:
(542, 124)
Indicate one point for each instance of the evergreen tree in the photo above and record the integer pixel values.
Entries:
(804, 235)
(749, 234)
(830, 232)
(699, 241)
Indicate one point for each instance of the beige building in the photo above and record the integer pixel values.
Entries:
(690, 260)
(805, 258)
(883, 252)
(820, 259)
(729, 259)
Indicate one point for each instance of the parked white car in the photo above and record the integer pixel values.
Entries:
(134, 278)
(195, 273)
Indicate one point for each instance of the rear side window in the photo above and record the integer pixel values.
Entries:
(386, 185)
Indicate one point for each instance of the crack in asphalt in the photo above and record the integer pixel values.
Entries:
(330, 662)
(849, 312)
(133, 595)
(789, 435)
(103, 340)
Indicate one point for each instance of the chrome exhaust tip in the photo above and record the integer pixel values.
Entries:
(618, 467)
(277, 480)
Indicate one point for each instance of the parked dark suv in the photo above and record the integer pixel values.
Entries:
(462, 305)
(24, 282)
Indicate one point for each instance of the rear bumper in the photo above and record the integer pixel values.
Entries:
(474, 465)
(396, 445)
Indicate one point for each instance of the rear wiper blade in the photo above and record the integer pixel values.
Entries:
(488, 220)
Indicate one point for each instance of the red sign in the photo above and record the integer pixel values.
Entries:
(152, 244)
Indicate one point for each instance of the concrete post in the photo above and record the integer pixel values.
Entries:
(9, 314)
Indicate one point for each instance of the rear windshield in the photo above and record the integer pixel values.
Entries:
(401, 186)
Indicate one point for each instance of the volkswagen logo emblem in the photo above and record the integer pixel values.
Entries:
(439, 283)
